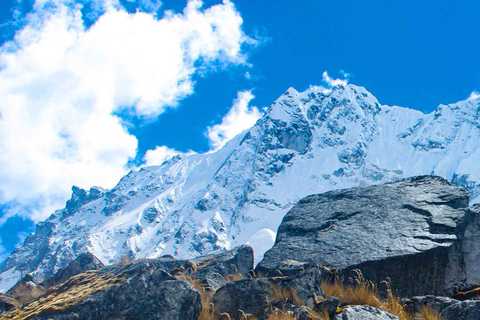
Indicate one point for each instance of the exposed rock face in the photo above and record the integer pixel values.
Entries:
(408, 231)
(364, 313)
(465, 310)
(471, 247)
(213, 269)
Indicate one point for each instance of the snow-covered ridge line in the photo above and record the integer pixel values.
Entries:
(306, 143)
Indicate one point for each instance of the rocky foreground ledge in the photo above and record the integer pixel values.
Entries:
(331, 258)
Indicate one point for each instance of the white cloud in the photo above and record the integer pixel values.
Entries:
(159, 155)
(474, 95)
(61, 85)
(335, 82)
(239, 118)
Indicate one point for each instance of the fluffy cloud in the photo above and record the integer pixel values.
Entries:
(239, 118)
(159, 155)
(62, 85)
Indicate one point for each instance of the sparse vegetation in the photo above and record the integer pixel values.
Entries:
(359, 292)
(429, 314)
(66, 295)
(281, 315)
(279, 294)
(364, 292)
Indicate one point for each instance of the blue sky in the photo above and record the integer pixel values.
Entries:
(152, 91)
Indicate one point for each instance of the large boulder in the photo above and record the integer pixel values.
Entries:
(465, 310)
(364, 313)
(409, 231)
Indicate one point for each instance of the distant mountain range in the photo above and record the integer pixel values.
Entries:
(308, 142)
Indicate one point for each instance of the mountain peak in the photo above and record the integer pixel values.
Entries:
(307, 142)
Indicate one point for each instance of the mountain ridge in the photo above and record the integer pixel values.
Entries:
(305, 143)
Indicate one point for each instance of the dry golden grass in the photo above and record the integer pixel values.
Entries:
(360, 292)
(364, 292)
(281, 315)
(65, 295)
(284, 295)
(10, 300)
(429, 314)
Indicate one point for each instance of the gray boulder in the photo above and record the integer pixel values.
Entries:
(364, 313)
(409, 231)
(250, 296)
(465, 310)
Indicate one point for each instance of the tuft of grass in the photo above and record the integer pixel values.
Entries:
(429, 314)
(364, 292)
(281, 315)
(66, 295)
(284, 295)
(359, 292)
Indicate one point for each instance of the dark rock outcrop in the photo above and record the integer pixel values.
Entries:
(328, 306)
(414, 305)
(137, 291)
(84, 262)
(254, 295)
(408, 231)
(465, 310)
(143, 289)
(7, 303)
(364, 313)
(212, 269)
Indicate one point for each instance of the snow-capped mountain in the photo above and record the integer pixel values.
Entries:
(306, 143)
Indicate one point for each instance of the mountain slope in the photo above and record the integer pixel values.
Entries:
(308, 142)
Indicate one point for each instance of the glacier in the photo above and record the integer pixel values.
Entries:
(305, 143)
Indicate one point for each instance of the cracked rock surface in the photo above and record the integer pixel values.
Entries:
(408, 230)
